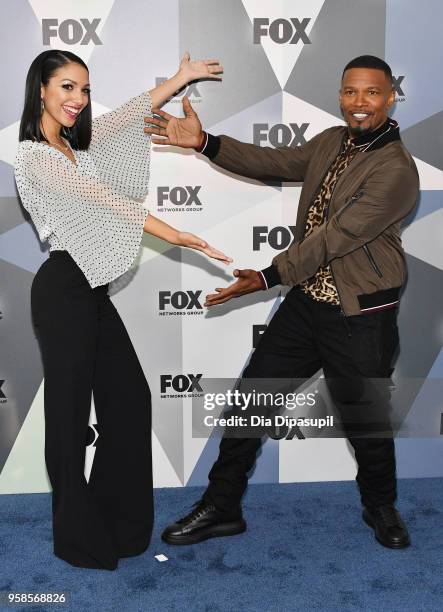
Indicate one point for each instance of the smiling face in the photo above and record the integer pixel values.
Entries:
(366, 95)
(65, 96)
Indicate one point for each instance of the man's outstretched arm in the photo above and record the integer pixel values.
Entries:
(388, 196)
(252, 161)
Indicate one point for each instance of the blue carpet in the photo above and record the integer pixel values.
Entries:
(306, 548)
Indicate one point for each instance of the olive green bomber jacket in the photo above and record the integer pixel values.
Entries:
(360, 237)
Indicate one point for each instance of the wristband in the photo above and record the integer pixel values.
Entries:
(204, 143)
(264, 286)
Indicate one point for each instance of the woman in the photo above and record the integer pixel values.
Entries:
(83, 181)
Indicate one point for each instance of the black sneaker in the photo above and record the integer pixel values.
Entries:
(389, 528)
(204, 522)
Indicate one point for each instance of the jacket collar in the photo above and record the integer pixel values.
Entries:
(387, 132)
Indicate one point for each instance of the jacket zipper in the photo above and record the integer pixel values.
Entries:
(314, 198)
(320, 185)
(326, 214)
(355, 197)
(372, 261)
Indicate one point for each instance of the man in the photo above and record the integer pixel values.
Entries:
(346, 265)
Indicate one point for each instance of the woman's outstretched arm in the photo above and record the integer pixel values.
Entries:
(188, 71)
(119, 146)
(156, 227)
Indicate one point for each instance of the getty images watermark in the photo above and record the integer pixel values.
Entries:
(247, 401)
(256, 408)
(326, 408)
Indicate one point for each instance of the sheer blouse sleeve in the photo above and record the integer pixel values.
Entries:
(121, 149)
(99, 226)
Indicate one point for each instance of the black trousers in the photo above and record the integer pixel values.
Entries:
(302, 337)
(85, 348)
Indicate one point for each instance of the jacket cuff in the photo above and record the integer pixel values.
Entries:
(211, 147)
(271, 276)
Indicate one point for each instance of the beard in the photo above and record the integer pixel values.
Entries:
(358, 130)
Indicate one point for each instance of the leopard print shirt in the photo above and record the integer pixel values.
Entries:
(321, 285)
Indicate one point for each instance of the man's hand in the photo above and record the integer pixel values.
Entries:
(248, 282)
(186, 132)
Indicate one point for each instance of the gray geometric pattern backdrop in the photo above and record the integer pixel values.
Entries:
(283, 62)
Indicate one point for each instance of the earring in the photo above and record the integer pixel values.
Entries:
(42, 105)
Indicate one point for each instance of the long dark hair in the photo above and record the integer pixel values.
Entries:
(40, 71)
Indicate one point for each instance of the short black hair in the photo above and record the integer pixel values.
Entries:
(40, 71)
(369, 61)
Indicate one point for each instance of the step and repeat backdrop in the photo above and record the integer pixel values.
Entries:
(283, 62)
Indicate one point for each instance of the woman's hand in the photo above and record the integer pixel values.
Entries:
(199, 69)
(248, 282)
(185, 239)
(160, 229)
(188, 71)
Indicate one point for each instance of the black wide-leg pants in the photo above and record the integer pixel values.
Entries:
(303, 336)
(85, 348)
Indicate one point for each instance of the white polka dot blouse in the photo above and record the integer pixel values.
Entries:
(93, 209)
